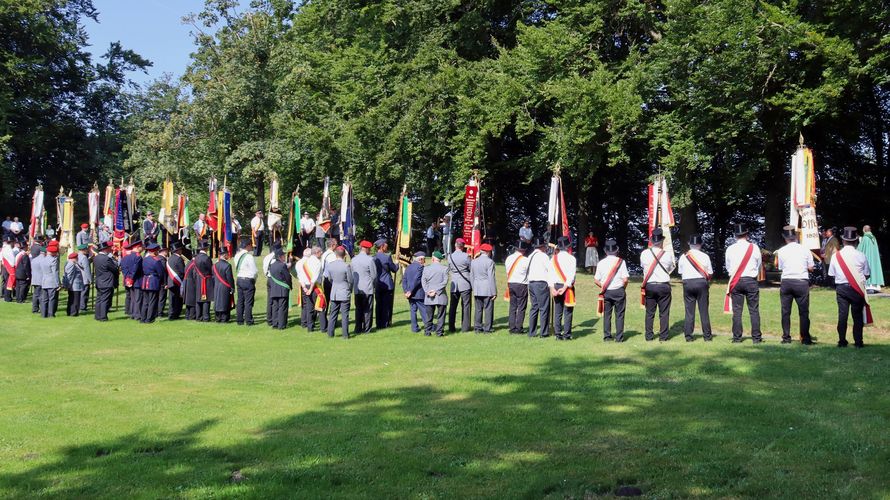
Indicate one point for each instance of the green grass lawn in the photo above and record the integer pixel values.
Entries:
(125, 410)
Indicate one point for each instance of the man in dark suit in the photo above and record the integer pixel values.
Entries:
(412, 286)
(223, 287)
(175, 274)
(203, 283)
(107, 273)
(153, 273)
(385, 285)
(131, 268)
(279, 289)
(22, 276)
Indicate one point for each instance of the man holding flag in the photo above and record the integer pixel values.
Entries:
(384, 284)
(850, 270)
(257, 233)
(484, 288)
(796, 263)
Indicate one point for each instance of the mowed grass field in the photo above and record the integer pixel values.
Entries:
(187, 410)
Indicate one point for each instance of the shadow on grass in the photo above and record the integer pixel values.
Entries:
(769, 421)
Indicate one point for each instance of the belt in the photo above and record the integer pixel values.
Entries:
(248, 279)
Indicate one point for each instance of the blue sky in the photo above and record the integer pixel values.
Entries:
(152, 28)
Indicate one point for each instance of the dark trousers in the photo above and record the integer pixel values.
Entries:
(202, 311)
(222, 316)
(149, 299)
(383, 306)
(307, 311)
(175, 306)
(103, 303)
(484, 314)
(21, 291)
(435, 319)
(73, 306)
(364, 312)
(416, 306)
(464, 299)
(746, 290)
(270, 308)
(162, 300)
(849, 302)
(518, 305)
(191, 312)
(133, 303)
(246, 294)
(36, 294)
(49, 302)
(562, 314)
(658, 295)
(539, 293)
(338, 308)
(614, 301)
(279, 312)
(696, 291)
(258, 244)
(85, 297)
(795, 291)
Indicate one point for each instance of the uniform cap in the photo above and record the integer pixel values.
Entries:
(459, 240)
(437, 254)
(485, 247)
(739, 230)
(152, 247)
(379, 243)
(563, 242)
(84, 226)
(82, 247)
(420, 254)
(611, 246)
(365, 244)
(72, 256)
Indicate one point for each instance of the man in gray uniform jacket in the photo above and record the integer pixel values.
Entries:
(49, 282)
(434, 280)
(364, 272)
(340, 275)
(38, 253)
(484, 288)
(461, 288)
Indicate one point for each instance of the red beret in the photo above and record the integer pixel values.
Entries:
(72, 256)
(460, 240)
(84, 226)
(365, 244)
(341, 247)
(485, 247)
(53, 246)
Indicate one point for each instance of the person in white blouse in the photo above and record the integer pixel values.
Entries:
(796, 264)
(850, 269)
(743, 261)
(695, 270)
(540, 279)
(658, 263)
(611, 276)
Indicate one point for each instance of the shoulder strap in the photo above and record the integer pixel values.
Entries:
(698, 267)
(611, 276)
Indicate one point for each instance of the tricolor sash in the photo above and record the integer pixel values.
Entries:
(736, 275)
(857, 283)
(509, 274)
(10, 270)
(225, 284)
(601, 298)
(177, 280)
(320, 301)
(570, 292)
(652, 266)
(697, 265)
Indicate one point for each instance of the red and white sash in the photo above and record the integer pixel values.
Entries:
(10, 270)
(177, 279)
(736, 275)
(857, 283)
(570, 292)
(601, 299)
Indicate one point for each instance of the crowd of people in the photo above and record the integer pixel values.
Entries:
(334, 288)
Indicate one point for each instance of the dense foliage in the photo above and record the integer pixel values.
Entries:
(426, 92)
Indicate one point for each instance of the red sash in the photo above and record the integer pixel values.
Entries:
(648, 275)
(10, 270)
(601, 299)
(854, 284)
(225, 283)
(510, 273)
(204, 279)
(727, 306)
(570, 292)
(697, 265)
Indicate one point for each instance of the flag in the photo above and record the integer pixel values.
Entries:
(472, 231)
(403, 230)
(165, 213)
(65, 214)
(802, 212)
(37, 214)
(131, 205)
(93, 204)
(347, 214)
(212, 203)
(324, 215)
(660, 213)
(557, 216)
(292, 221)
(108, 207)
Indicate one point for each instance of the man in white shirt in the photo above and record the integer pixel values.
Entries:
(611, 276)
(245, 278)
(328, 256)
(525, 232)
(16, 229)
(796, 264)
(517, 286)
(267, 261)
(563, 289)
(540, 279)
(696, 271)
(257, 232)
(310, 276)
(658, 264)
(200, 227)
(307, 228)
(743, 262)
(850, 269)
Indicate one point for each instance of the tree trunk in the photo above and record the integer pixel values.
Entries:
(775, 200)
(260, 195)
(688, 223)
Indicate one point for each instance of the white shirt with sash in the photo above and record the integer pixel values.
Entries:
(734, 255)
(605, 268)
(568, 265)
(520, 271)
(688, 271)
(245, 266)
(256, 224)
(855, 261)
(794, 261)
(267, 261)
(659, 275)
(539, 268)
(309, 271)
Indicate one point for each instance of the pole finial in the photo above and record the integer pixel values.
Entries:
(800, 140)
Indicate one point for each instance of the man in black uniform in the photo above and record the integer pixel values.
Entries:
(107, 273)
(153, 273)
(223, 287)
(279, 289)
(22, 276)
(203, 283)
(163, 255)
(175, 275)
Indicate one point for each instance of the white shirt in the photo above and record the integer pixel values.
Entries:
(794, 261)
(313, 264)
(236, 226)
(854, 259)
(539, 268)
(605, 267)
(267, 261)
(7, 224)
(307, 224)
(244, 267)
(520, 273)
(16, 227)
(734, 255)
(667, 261)
(567, 264)
(326, 258)
(256, 224)
(8, 254)
(526, 233)
(688, 271)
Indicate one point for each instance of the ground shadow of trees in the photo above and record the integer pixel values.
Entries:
(769, 422)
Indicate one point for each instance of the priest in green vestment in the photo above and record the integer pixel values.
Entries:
(869, 246)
